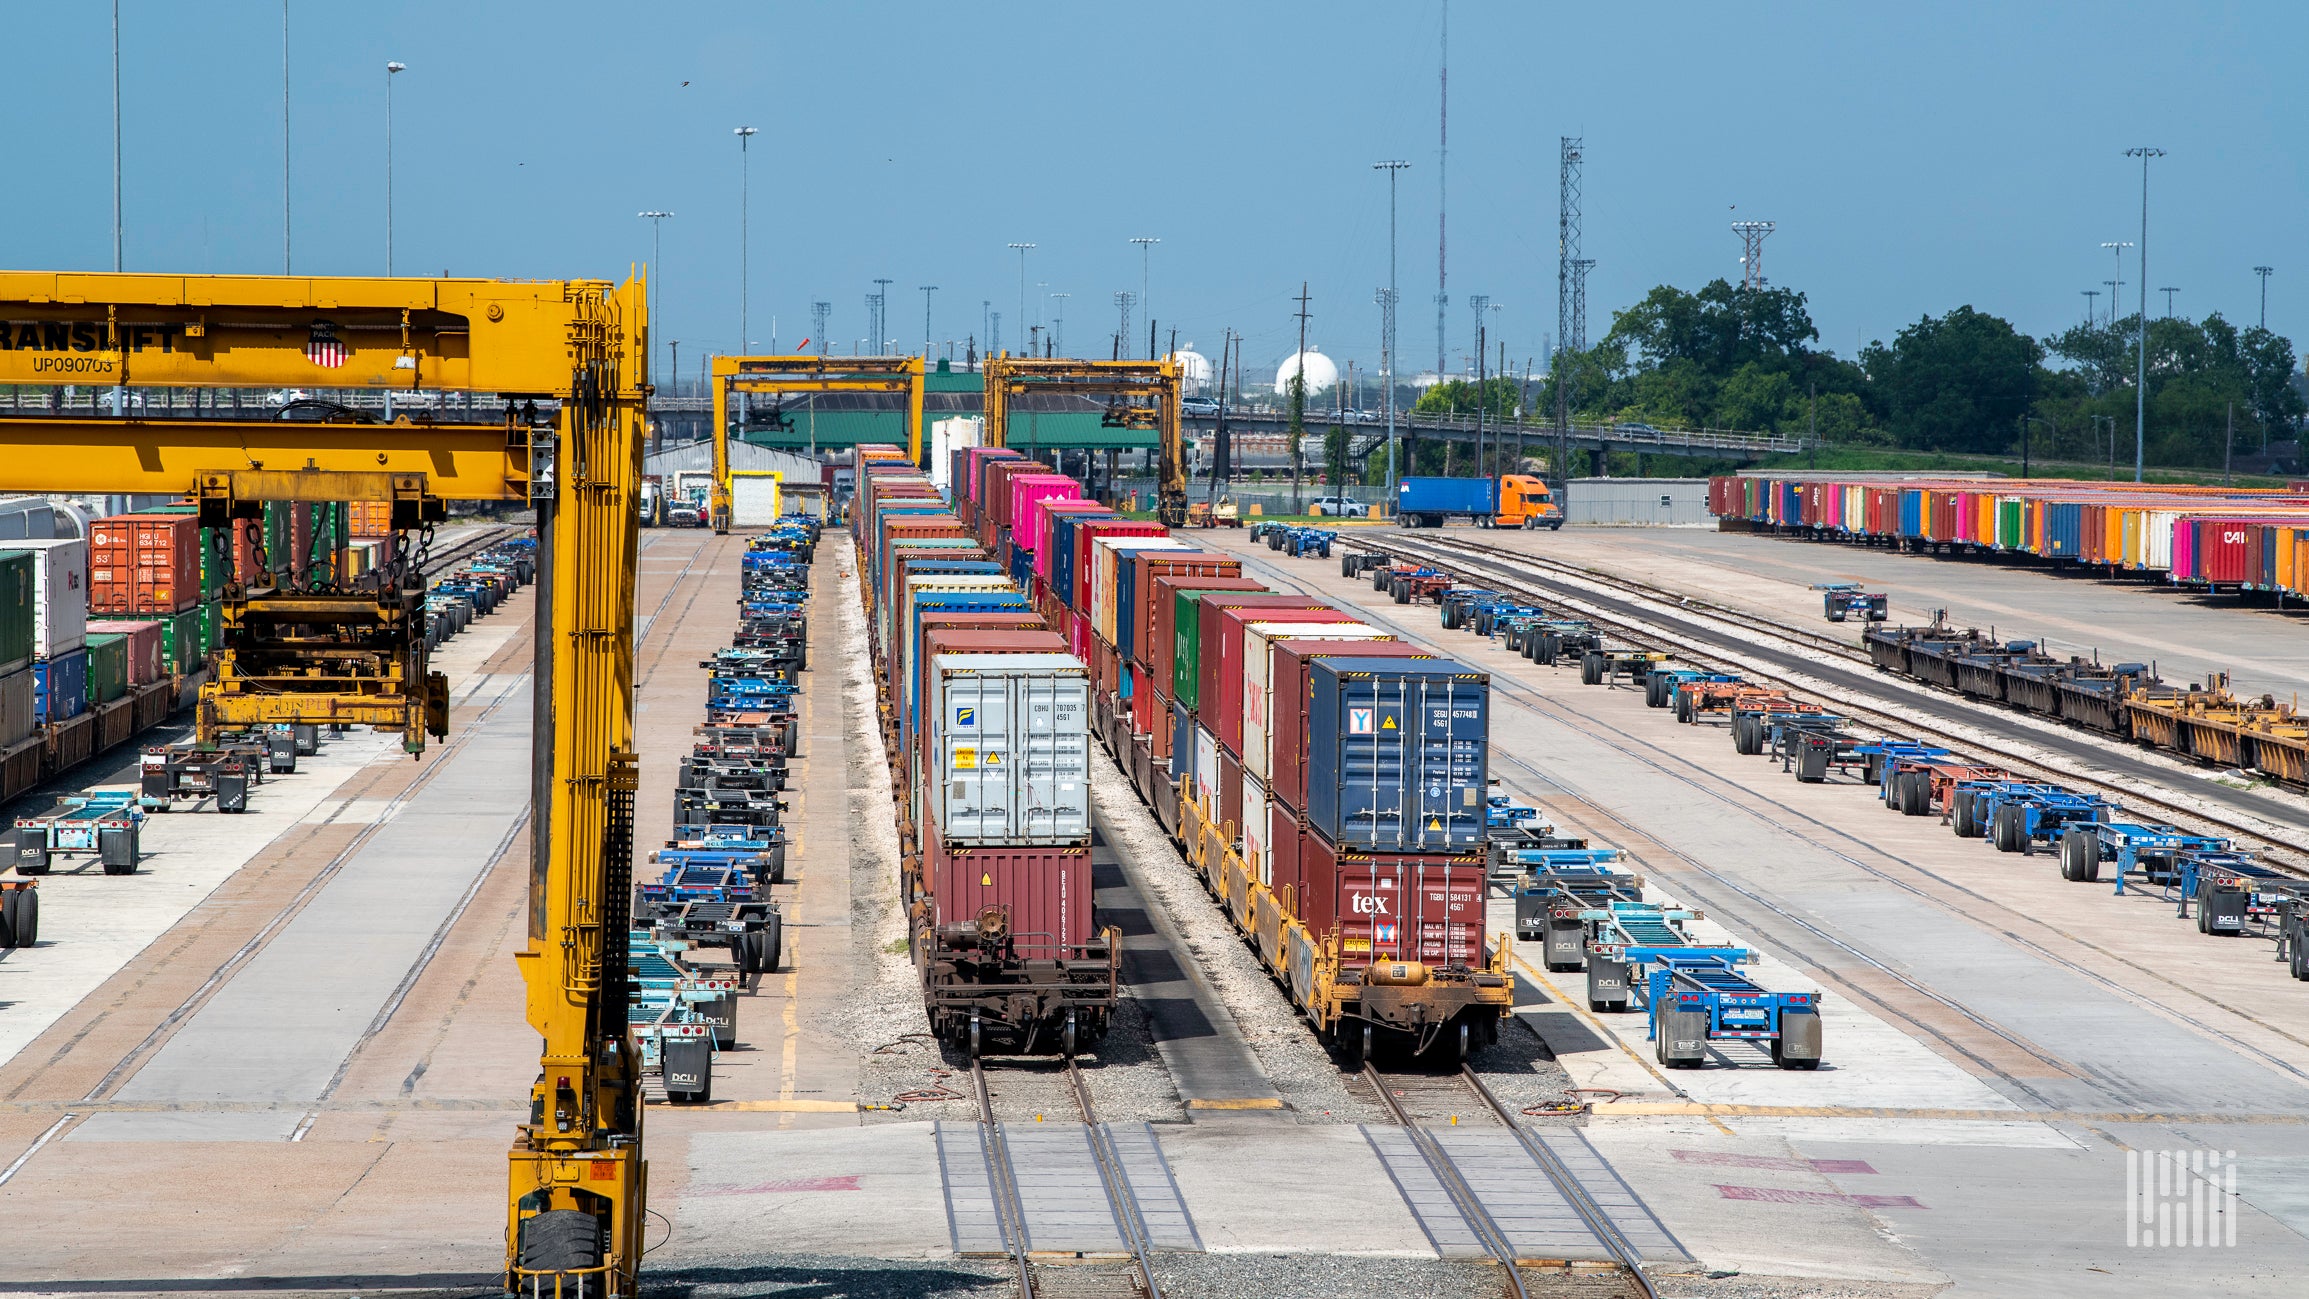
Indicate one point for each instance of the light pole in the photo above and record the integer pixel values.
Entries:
(927, 290)
(1021, 250)
(284, 137)
(1393, 168)
(390, 70)
(1146, 245)
(745, 134)
(1058, 324)
(116, 141)
(2141, 368)
(655, 219)
(2264, 272)
(881, 340)
(2117, 251)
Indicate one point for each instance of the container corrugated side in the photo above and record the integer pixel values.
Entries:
(18, 614)
(1258, 702)
(19, 716)
(1399, 754)
(1046, 889)
(60, 687)
(1010, 749)
(59, 594)
(1196, 637)
(1287, 742)
(107, 667)
(1221, 703)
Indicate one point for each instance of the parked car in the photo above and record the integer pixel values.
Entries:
(1199, 408)
(1339, 507)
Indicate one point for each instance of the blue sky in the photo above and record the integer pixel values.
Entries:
(1916, 158)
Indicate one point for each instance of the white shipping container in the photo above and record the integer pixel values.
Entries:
(17, 720)
(59, 594)
(1258, 677)
(754, 497)
(1207, 771)
(1010, 748)
(1255, 829)
(946, 437)
(1106, 576)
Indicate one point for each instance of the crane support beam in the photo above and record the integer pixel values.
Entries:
(807, 374)
(467, 462)
(1139, 394)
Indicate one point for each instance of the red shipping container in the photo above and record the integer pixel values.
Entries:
(1226, 720)
(1086, 551)
(1395, 907)
(2222, 550)
(145, 563)
(1161, 644)
(1287, 728)
(1148, 565)
(1047, 890)
(1222, 645)
(1159, 724)
(1231, 790)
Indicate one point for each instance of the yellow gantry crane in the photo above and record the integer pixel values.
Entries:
(577, 1181)
(1137, 394)
(807, 374)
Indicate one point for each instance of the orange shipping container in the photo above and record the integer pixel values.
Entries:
(144, 563)
(369, 518)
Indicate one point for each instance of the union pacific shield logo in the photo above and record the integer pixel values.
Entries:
(323, 348)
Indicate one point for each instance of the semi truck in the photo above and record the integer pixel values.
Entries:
(1509, 501)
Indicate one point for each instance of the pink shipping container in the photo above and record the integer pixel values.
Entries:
(145, 662)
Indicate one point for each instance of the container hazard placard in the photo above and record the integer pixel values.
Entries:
(965, 759)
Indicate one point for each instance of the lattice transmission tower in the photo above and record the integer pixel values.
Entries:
(1752, 235)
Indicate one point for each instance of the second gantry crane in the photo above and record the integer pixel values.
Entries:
(1134, 394)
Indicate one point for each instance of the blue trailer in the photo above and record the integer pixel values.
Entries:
(1432, 502)
(2016, 815)
(105, 823)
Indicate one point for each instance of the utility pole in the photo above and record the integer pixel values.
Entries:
(2229, 449)
(1299, 399)
(1481, 344)
(820, 313)
(2168, 291)
(1122, 300)
(2117, 249)
(1221, 445)
(2264, 272)
(881, 340)
(1146, 245)
(1057, 331)
(927, 290)
(2141, 372)
(116, 147)
(1021, 250)
(2092, 298)
(285, 137)
(390, 70)
(994, 333)
(1442, 194)
(1388, 297)
(745, 135)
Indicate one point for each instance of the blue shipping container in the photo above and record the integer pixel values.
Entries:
(1399, 754)
(1066, 554)
(1468, 496)
(2064, 530)
(1022, 567)
(60, 687)
(1182, 743)
(1911, 512)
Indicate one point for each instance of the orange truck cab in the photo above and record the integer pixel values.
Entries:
(1526, 502)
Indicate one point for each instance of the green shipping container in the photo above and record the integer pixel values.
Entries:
(2009, 532)
(184, 637)
(107, 667)
(16, 611)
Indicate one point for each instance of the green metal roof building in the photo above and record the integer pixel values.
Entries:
(836, 421)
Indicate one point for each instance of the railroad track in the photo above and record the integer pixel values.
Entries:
(1400, 1094)
(1860, 695)
(1131, 1277)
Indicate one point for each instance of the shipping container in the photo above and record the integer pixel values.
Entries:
(60, 687)
(1046, 889)
(937, 640)
(1219, 668)
(147, 654)
(59, 594)
(144, 564)
(1010, 749)
(1137, 633)
(18, 609)
(1194, 632)
(107, 667)
(1254, 716)
(1424, 907)
(19, 708)
(1287, 739)
(1251, 632)
(1398, 759)
(1158, 653)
